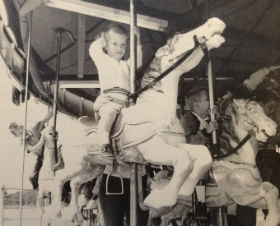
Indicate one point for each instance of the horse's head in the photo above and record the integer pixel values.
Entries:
(247, 116)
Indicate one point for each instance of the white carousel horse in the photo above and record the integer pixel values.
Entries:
(235, 177)
(159, 136)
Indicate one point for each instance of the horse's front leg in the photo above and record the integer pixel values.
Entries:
(202, 163)
(166, 154)
(84, 176)
(271, 196)
(69, 212)
(61, 177)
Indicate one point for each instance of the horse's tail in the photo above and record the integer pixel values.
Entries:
(60, 161)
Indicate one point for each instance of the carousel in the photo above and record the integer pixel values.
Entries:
(45, 51)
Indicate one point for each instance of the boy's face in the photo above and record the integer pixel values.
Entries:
(17, 131)
(116, 44)
(201, 105)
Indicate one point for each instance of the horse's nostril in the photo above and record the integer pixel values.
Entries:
(264, 131)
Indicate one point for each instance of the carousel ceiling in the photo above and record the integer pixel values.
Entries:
(252, 33)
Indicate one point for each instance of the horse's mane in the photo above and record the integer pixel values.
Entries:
(227, 114)
(152, 72)
(154, 69)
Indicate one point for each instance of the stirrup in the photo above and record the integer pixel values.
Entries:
(107, 182)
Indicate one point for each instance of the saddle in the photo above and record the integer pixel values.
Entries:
(126, 133)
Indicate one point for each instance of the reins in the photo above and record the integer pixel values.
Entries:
(234, 150)
(171, 68)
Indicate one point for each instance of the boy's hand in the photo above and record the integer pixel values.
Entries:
(213, 125)
(99, 36)
(214, 110)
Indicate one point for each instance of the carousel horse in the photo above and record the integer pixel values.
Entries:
(149, 128)
(234, 177)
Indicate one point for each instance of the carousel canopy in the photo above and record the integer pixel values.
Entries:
(252, 37)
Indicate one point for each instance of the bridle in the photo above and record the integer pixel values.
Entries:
(232, 150)
(197, 44)
(235, 149)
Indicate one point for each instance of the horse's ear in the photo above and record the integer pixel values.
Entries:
(239, 105)
(235, 102)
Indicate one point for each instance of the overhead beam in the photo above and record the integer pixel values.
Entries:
(109, 13)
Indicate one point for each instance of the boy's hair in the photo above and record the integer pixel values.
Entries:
(117, 28)
(195, 95)
(12, 127)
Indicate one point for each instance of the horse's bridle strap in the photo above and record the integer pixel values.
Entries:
(168, 70)
(234, 150)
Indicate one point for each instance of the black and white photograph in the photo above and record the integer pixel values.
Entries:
(139, 112)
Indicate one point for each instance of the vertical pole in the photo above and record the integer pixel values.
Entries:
(59, 34)
(133, 168)
(50, 157)
(133, 195)
(211, 95)
(2, 205)
(132, 47)
(221, 221)
(25, 113)
(210, 82)
(81, 44)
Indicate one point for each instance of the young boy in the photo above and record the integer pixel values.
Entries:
(33, 144)
(114, 75)
(195, 121)
(108, 53)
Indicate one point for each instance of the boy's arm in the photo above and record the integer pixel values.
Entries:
(37, 148)
(96, 50)
(187, 125)
(48, 116)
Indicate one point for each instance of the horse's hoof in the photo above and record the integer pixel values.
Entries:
(211, 27)
(215, 42)
(216, 25)
(160, 198)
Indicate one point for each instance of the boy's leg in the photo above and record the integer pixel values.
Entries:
(108, 114)
(35, 174)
